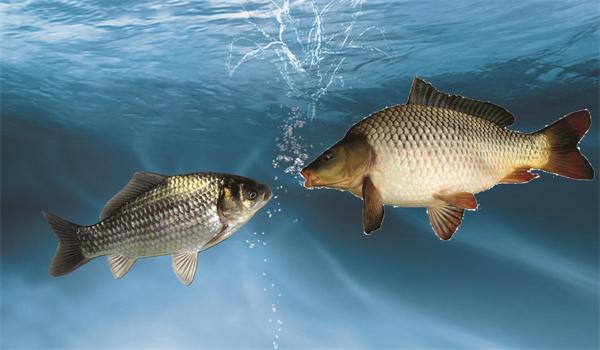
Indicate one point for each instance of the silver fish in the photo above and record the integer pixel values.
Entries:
(158, 215)
(438, 150)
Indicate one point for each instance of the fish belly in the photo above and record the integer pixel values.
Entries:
(421, 151)
(414, 180)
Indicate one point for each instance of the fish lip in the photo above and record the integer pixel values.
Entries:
(308, 179)
(267, 193)
(308, 183)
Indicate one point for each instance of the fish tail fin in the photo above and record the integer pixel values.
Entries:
(565, 158)
(69, 255)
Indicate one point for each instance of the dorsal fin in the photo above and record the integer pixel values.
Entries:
(140, 183)
(423, 93)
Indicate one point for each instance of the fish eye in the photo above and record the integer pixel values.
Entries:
(328, 155)
(251, 195)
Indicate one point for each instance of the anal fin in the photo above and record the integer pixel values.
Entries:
(120, 264)
(519, 175)
(445, 220)
(184, 265)
(372, 206)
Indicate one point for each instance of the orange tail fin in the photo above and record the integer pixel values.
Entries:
(563, 136)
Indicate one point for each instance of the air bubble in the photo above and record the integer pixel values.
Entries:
(310, 71)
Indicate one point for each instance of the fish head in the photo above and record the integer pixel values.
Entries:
(342, 166)
(240, 198)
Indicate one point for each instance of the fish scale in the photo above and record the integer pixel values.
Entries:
(189, 205)
(423, 150)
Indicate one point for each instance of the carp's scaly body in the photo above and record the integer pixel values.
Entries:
(438, 150)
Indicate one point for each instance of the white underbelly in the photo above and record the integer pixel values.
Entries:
(414, 184)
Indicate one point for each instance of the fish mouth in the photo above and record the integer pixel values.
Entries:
(267, 193)
(311, 181)
(309, 178)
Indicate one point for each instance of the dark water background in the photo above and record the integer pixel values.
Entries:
(94, 91)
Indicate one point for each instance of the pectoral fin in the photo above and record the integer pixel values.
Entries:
(184, 265)
(225, 233)
(372, 206)
(445, 220)
(120, 264)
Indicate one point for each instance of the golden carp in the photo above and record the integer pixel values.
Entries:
(438, 150)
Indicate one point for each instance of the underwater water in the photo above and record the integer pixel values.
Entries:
(93, 91)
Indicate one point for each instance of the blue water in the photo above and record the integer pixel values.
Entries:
(92, 92)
